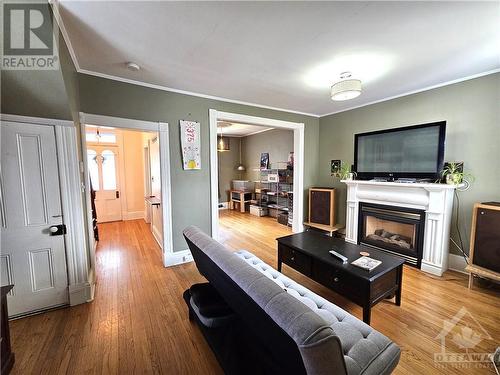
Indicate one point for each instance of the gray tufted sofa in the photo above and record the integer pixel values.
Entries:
(298, 330)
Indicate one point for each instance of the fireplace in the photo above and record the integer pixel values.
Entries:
(397, 230)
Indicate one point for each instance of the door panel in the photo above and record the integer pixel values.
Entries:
(31, 259)
(103, 169)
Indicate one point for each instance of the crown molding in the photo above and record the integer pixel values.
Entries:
(57, 15)
(447, 83)
(190, 93)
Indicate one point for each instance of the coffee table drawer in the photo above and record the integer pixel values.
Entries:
(341, 282)
(295, 259)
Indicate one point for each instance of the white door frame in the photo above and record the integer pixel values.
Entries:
(80, 277)
(162, 129)
(298, 172)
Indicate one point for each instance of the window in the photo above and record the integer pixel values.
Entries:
(94, 134)
(93, 168)
(108, 170)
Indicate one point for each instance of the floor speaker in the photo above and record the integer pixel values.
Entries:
(484, 259)
(322, 206)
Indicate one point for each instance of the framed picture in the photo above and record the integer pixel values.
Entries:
(190, 144)
(335, 166)
(289, 163)
(264, 160)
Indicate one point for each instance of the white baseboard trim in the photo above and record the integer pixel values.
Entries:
(456, 263)
(178, 257)
(81, 293)
(157, 235)
(225, 205)
(431, 268)
(133, 215)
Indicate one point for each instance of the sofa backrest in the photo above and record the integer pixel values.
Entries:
(296, 338)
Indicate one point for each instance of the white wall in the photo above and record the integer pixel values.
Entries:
(133, 171)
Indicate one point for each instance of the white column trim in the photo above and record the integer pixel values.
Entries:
(166, 189)
(298, 173)
(80, 285)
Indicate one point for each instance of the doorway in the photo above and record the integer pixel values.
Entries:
(127, 175)
(296, 178)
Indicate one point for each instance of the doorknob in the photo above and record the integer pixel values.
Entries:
(117, 194)
(57, 230)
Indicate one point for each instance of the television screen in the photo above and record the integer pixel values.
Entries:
(415, 151)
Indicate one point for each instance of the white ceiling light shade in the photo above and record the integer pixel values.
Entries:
(345, 89)
(132, 66)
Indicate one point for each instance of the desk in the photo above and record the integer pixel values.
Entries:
(240, 196)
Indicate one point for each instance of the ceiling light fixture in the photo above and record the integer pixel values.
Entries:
(222, 143)
(133, 67)
(345, 89)
(240, 167)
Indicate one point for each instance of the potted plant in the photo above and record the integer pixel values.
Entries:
(344, 172)
(454, 175)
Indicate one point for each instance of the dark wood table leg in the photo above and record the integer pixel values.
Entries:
(279, 265)
(367, 312)
(400, 285)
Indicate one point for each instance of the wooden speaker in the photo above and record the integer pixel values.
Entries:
(484, 259)
(322, 206)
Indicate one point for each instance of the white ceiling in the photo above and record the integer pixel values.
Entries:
(286, 55)
(234, 129)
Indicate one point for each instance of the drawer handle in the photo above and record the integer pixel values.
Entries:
(292, 259)
(335, 279)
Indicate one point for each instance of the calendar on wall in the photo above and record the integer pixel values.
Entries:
(191, 144)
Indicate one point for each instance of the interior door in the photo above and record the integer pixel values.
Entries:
(103, 168)
(32, 257)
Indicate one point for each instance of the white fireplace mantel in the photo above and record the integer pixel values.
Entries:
(435, 199)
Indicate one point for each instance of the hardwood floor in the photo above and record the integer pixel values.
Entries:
(138, 321)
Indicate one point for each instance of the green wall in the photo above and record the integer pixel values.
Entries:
(190, 189)
(471, 109)
(37, 93)
(278, 143)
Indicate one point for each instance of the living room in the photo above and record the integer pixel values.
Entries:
(120, 307)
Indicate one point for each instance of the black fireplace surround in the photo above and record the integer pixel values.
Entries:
(397, 230)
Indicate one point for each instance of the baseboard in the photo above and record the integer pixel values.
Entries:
(133, 215)
(456, 263)
(223, 205)
(431, 268)
(178, 257)
(81, 293)
(157, 236)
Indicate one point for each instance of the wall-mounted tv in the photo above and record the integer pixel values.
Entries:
(409, 152)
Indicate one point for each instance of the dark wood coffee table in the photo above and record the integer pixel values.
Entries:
(307, 253)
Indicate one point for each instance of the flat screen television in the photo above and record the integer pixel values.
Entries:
(409, 152)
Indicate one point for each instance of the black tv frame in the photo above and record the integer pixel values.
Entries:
(391, 176)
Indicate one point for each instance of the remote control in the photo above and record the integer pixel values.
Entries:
(339, 256)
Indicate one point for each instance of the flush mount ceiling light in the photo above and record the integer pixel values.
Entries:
(346, 88)
(133, 67)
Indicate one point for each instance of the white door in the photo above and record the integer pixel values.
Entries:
(103, 168)
(31, 258)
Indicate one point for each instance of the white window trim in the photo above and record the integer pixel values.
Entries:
(298, 173)
(166, 187)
